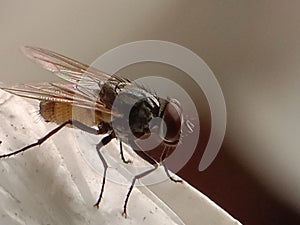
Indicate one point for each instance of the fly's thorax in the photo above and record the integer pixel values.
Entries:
(140, 116)
(108, 94)
(137, 111)
(59, 113)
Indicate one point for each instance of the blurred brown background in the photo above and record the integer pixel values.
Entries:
(253, 47)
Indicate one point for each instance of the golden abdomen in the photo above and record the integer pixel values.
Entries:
(59, 113)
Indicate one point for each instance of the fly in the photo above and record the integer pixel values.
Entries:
(98, 103)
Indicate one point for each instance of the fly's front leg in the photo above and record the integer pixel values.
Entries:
(40, 141)
(141, 175)
(162, 158)
(169, 175)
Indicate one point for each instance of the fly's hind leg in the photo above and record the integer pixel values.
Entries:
(40, 141)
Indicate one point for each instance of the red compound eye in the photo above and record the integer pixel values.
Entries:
(170, 132)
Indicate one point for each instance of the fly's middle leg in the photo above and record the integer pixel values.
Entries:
(122, 154)
(102, 143)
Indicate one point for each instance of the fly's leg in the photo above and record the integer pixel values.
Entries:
(162, 158)
(122, 154)
(40, 141)
(102, 143)
(141, 175)
(169, 175)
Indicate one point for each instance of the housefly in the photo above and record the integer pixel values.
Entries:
(98, 103)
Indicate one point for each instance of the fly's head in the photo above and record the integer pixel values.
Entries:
(160, 117)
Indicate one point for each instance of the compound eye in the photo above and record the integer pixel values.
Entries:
(172, 118)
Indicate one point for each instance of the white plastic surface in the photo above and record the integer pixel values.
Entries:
(54, 184)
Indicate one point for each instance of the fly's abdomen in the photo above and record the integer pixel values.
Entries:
(59, 113)
(55, 112)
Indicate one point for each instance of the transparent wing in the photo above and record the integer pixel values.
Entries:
(84, 82)
(67, 68)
